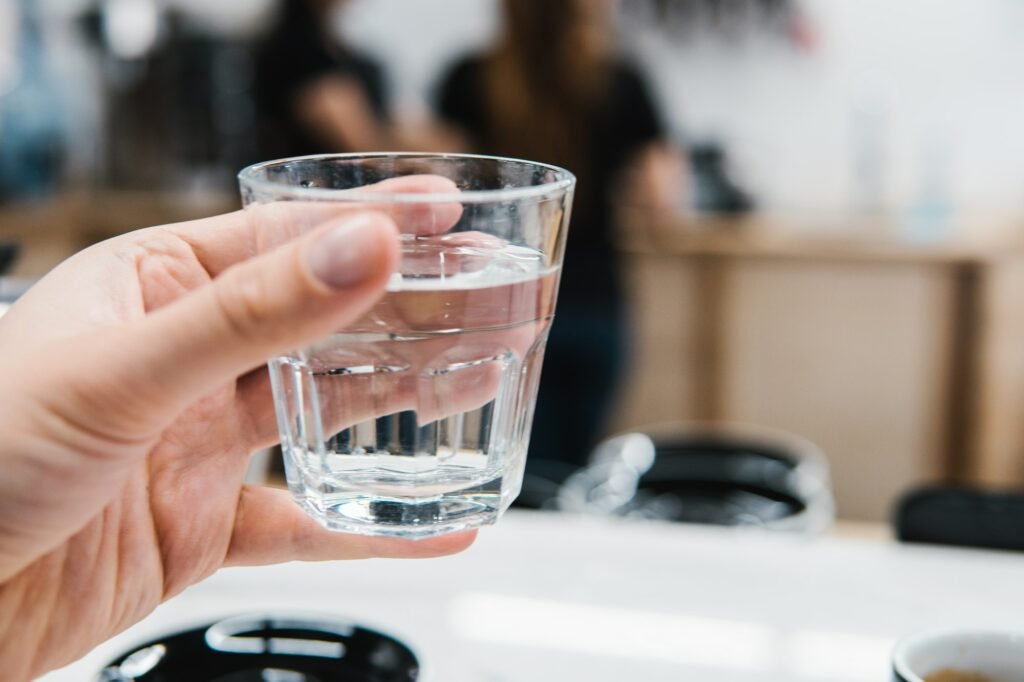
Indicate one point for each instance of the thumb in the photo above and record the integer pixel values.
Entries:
(254, 310)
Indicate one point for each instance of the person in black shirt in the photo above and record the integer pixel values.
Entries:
(554, 90)
(315, 94)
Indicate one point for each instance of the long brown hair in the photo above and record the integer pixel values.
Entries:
(545, 78)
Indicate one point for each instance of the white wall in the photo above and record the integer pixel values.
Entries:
(914, 93)
(927, 83)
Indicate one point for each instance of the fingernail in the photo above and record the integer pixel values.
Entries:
(347, 254)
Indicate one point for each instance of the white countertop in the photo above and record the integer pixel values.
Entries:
(551, 597)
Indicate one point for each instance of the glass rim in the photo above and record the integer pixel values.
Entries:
(248, 177)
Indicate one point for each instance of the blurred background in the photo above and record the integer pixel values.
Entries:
(815, 208)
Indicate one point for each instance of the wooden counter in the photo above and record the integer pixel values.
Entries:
(52, 230)
(902, 359)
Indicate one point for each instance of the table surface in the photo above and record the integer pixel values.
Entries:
(978, 239)
(552, 597)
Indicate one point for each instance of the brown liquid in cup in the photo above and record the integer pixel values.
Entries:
(951, 675)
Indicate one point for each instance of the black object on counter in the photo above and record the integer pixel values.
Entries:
(268, 648)
(714, 191)
(720, 481)
(8, 255)
(727, 477)
(962, 517)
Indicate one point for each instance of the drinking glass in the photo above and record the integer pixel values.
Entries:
(414, 420)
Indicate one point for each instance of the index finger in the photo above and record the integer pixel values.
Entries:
(222, 241)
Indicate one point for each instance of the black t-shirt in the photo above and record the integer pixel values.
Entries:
(626, 121)
(295, 54)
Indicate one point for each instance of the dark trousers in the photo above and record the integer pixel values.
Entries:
(583, 364)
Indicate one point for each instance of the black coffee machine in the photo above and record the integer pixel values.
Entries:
(268, 649)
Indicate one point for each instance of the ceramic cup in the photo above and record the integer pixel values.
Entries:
(978, 655)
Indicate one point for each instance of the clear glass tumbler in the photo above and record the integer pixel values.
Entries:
(414, 421)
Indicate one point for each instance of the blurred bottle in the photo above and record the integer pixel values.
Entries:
(32, 125)
(868, 156)
(930, 215)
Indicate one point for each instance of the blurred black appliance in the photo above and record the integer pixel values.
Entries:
(715, 192)
(719, 476)
(962, 517)
(181, 114)
(8, 255)
(268, 649)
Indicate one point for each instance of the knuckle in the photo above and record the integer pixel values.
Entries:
(245, 305)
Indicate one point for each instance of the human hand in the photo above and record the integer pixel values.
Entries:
(133, 396)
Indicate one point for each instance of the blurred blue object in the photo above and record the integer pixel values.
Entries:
(32, 122)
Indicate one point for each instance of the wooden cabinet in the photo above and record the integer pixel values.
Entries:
(904, 362)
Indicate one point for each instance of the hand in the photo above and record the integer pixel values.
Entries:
(133, 395)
